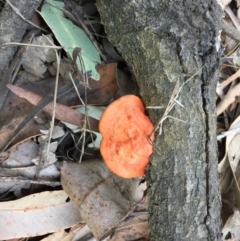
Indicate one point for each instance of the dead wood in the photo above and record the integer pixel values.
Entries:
(164, 42)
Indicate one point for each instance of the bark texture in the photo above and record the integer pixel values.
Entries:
(162, 42)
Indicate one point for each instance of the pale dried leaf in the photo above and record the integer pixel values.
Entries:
(101, 197)
(234, 158)
(234, 155)
(17, 170)
(226, 175)
(47, 153)
(15, 179)
(35, 58)
(47, 150)
(16, 184)
(83, 234)
(135, 229)
(232, 225)
(139, 192)
(17, 163)
(236, 57)
(37, 214)
(35, 201)
(49, 173)
(20, 155)
(60, 235)
(223, 3)
(224, 166)
(230, 79)
(57, 132)
(228, 99)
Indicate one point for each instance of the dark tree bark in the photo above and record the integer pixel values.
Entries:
(162, 42)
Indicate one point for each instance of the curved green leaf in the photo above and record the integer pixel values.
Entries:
(71, 36)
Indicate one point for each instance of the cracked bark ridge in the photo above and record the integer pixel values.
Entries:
(165, 41)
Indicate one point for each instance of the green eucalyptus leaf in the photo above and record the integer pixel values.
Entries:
(71, 36)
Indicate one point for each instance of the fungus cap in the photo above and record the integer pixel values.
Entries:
(125, 128)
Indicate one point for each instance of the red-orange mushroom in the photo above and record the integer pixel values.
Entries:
(125, 128)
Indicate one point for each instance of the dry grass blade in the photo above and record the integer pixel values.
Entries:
(85, 80)
(55, 96)
(33, 45)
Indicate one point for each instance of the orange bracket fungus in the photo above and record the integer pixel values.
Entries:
(125, 128)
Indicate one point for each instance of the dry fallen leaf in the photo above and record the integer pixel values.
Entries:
(13, 116)
(134, 229)
(62, 113)
(228, 99)
(17, 170)
(63, 235)
(234, 161)
(99, 92)
(232, 226)
(35, 59)
(37, 214)
(20, 155)
(60, 235)
(224, 168)
(83, 233)
(223, 3)
(230, 79)
(101, 197)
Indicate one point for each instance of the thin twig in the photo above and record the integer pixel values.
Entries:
(41, 158)
(54, 99)
(33, 45)
(85, 79)
(76, 89)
